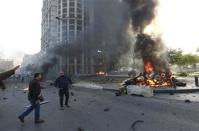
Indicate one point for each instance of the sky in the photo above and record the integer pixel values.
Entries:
(20, 26)
(178, 23)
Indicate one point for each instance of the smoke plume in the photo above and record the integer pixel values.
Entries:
(108, 22)
(150, 49)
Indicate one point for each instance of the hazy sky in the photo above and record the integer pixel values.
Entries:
(178, 23)
(20, 25)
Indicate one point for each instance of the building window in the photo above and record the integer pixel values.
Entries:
(72, 9)
(64, 10)
(72, 27)
(64, 4)
(59, 12)
(79, 5)
(64, 28)
(64, 15)
(79, 27)
(72, 4)
(79, 22)
(71, 21)
(72, 15)
(79, 11)
(79, 16)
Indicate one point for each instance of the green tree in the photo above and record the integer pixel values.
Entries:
(177, 57)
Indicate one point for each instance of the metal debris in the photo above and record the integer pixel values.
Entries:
(80, 129)
(187, 101)
(71, 93)
(142, 114)
(118, 93)
(106, 110)
(134, 124)
(4, 98)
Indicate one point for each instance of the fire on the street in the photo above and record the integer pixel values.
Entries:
(101, 73)
(152, 79)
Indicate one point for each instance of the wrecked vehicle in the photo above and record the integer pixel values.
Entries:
(144, 83)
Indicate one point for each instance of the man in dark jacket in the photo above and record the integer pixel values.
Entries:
(63, 82)
(34, 96)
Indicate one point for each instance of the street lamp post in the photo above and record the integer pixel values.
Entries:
(61, 57)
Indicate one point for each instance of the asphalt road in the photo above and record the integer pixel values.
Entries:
(97, 110)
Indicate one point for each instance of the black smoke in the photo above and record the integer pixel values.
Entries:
(151, 50)
(142, 12)
(107, 22)
(148, 48)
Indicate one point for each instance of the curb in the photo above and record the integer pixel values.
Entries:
(176, 91)
(113, 90)
(162, 91)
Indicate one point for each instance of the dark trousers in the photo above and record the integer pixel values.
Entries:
(35, 106)
(62, 93)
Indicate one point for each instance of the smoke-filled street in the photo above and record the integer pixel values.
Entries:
(97, 110)
(99, 65)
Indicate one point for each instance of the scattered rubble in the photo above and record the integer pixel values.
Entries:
(80, 129)
(142, 114)
(51, 84)
(118, 93)
(71, 93)
(5, 98)
(106, 110)
(187, 101)
(134, 124)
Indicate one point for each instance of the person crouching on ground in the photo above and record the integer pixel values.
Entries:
(34, 96)
(63, 82)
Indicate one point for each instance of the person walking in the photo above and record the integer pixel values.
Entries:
(34, 96)
(63, 83)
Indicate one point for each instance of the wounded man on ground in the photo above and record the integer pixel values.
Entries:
(6, 75)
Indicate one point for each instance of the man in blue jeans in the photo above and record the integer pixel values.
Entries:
(34, 96)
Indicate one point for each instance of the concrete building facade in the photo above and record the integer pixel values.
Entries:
(49, 25)
(63, 23)
(71, 22)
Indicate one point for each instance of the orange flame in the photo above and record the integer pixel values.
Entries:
(148, 67)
